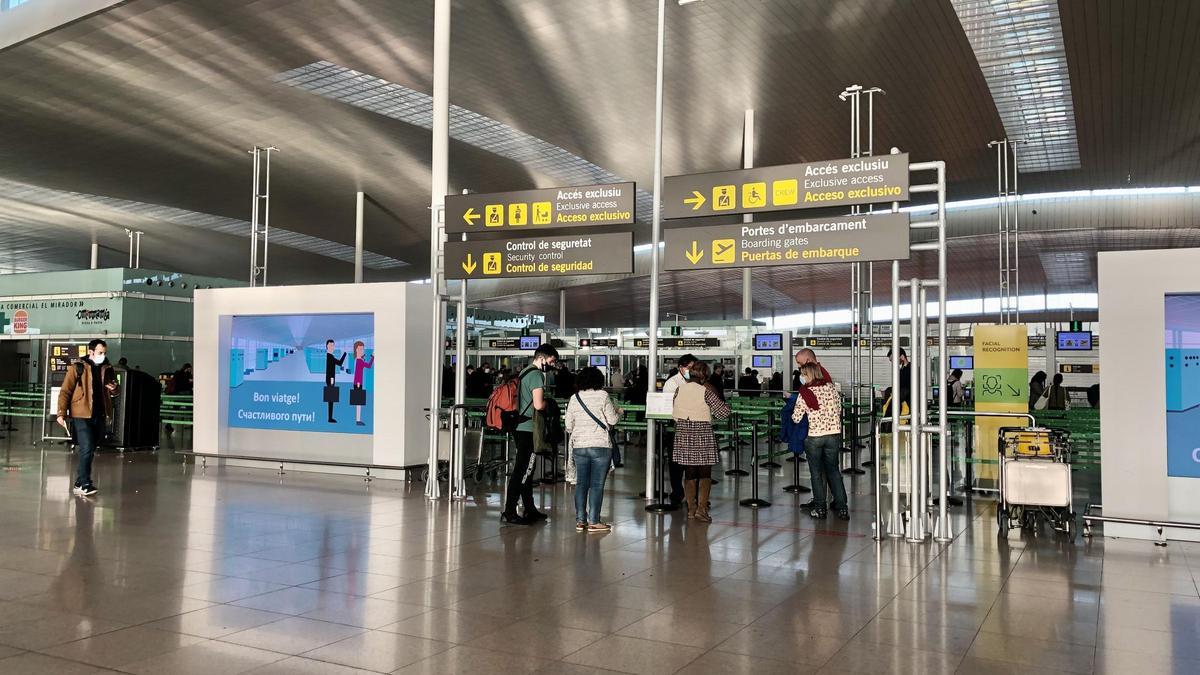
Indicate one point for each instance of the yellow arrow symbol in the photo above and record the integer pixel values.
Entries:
(470, 216)
(697, 201)
(469, 266)
(695, 255)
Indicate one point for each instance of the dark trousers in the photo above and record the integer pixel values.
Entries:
(823, 455)
(87, 433)
(675, 470)
(520, 483)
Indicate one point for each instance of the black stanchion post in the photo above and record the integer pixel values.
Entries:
(737, 469)
(771, 427)
(661, 503)
(796, 486)
(754, 502)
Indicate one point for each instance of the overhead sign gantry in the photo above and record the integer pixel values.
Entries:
(540, 256)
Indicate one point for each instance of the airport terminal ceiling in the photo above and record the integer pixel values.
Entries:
(143, 114)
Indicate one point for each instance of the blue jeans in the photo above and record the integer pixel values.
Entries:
(591, 470)
(823, 466)
(87, 432)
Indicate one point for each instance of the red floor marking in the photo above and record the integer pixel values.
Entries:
(780, 528)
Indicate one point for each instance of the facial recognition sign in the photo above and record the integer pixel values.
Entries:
(585, 205)
(855, 238)
(838, 182)
(540, 256)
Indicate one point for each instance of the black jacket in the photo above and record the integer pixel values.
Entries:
(331, 366)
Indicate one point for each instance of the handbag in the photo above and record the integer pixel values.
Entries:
(612, 433)
(358, 396)
(1042, 401)
(332, 393)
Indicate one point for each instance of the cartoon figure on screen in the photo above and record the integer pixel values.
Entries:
(358, 395)
(331, 390)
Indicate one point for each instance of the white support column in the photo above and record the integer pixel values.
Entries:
(747, 163)
(440, 179)
(358, 237)
(655, 237)
(95, 255)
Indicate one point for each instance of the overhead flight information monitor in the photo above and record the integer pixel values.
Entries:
(768, 342)
(1074, 341)
(530, 343)
(598, 360)
(760, 360)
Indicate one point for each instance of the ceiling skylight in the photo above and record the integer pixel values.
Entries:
(368, 92)
(1019, 45)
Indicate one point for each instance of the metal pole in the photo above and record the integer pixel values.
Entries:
(562, 311)
(655, 236)
(942, 532)
(1016, 234)
(254, 219)
(895, 529)
(137, 249)
(457, 485)
(439, 185)
(95, 255)
(266, 245)
(747, 163)
(915, 532)
(358, 237)
(129, 235)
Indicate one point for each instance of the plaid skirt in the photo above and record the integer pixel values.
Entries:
(695, 444)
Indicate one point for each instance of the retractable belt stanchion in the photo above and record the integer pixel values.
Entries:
(661, 504)
(796, 486)
(754, 501)
(737, 469)
(771, 463)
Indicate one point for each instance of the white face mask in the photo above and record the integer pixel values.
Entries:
(803, 379)
(98, 359)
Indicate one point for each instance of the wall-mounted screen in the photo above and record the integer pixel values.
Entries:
(530, 343)
(761, 361)
(1182, 343)
(768, 342)
(302, 372)
(1074, 341)
(598, 360)
(962, 362)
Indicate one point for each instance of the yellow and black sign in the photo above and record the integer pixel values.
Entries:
(839, 182)
(540, 256)
(788, 242)
(1078, 368)
(611, 204)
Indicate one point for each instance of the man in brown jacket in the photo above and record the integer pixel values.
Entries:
(86, 397)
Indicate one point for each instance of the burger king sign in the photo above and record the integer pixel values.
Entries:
(20, 322)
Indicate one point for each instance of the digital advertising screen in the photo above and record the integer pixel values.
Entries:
(962, 362)
(530, 343)
(598, 360)
(1182, 363)
(768, 342)
(302, 372)
(1074, 341)
(760, 361)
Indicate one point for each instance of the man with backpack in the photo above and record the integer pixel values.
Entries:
(531, 398)
(86, 397)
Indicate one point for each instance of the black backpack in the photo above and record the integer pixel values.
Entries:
(552, 423)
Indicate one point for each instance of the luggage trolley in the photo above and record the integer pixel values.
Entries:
(1035, 479)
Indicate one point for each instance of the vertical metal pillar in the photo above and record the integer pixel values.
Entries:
(358, 237)
(916, 506)
(129, 234)
(137, 249)
(95, 255)
(655, 236)
(941, 531)
(747, 163)
(562, 311)
(440, 179)
(260, 205)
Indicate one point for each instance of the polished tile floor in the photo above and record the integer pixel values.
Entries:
(174, 570)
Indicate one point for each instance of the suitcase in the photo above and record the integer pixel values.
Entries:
(1031, 482)
(358, 396)
(332, 394)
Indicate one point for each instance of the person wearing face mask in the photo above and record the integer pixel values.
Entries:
(820, 402)
(86, 398)
(531, 399)
(671, 386)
